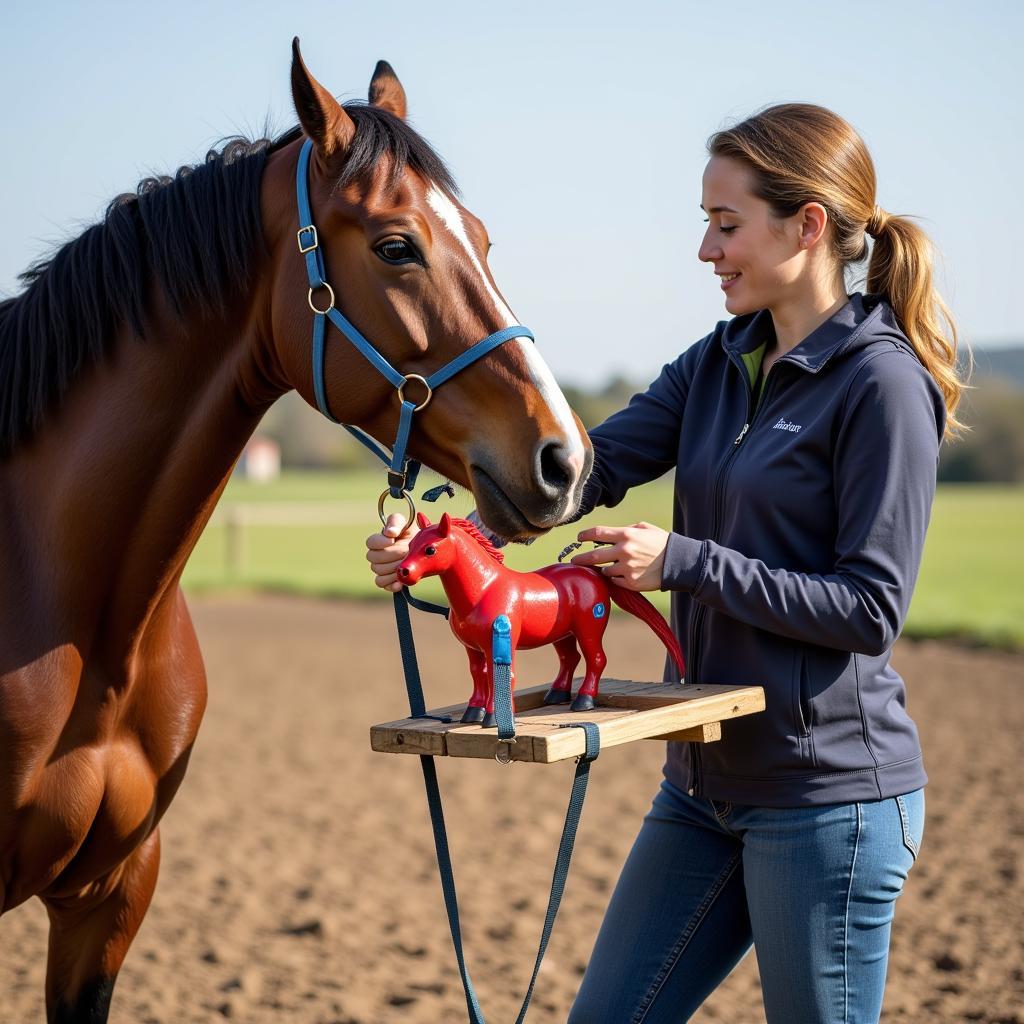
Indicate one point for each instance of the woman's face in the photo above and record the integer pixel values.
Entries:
(756, 255)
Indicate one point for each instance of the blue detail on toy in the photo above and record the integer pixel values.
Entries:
(501, 641)
(599, 611)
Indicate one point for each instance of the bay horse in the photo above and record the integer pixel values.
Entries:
(561, 604)
(133, 368)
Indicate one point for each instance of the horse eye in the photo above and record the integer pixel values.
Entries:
(397, 251)
(430, 550)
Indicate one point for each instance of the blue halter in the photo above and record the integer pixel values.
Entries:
(401, 471)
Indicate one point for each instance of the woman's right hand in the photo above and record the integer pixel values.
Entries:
(386, 550)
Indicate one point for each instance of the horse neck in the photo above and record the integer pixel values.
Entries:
(115, 490)
(472, 572)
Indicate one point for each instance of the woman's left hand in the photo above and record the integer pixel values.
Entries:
(633, 560)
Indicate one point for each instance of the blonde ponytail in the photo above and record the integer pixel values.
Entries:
(900, 268)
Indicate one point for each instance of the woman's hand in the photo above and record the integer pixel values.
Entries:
(386, 550)
(635, 557)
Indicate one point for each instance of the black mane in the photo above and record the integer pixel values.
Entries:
(197, 233)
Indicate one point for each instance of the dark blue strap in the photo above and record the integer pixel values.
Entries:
(501, 669)
(401, 442)
(426, 606)
(354, 335)
(565, 846)
(319, 392)
(444, 867)
(474, 352)
(414, 688)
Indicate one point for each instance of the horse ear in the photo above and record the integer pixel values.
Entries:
(422, 521)
(322, 117)
(386, 90)
(445, 525)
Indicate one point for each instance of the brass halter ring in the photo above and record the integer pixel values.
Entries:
(330, 305)
(409, 504)
(423, 381)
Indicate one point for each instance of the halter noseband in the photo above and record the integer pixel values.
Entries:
(401, 470)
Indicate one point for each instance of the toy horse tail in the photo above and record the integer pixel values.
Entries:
(638, 605)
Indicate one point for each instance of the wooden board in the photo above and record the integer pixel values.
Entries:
(626, 711)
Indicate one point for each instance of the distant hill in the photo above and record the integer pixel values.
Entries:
(1007, 363)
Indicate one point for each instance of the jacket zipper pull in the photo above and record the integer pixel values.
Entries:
(743, 433)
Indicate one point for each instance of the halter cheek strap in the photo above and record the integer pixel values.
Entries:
(401, 471)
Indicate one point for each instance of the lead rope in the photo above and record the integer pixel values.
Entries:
(501, 673)
(402, 473)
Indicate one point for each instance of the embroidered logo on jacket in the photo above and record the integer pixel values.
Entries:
(784, 424)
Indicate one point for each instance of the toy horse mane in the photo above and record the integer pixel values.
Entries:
(471, 529)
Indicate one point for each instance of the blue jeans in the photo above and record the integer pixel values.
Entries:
(813, 888)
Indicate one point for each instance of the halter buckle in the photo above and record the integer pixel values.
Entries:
(330, 292)
(309, 229)
(423, 381)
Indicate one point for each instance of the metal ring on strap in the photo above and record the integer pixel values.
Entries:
(409, 504)
(330, 292)
(503, 751)
(423, 381)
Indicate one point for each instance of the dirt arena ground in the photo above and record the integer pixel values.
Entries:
(298, 880)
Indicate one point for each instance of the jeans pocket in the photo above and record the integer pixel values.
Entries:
(909, 841)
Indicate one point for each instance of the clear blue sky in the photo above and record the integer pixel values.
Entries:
(576, 130)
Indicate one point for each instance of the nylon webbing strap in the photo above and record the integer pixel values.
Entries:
(573, 813)
(501, 668)
(501, 674)
(309, 247)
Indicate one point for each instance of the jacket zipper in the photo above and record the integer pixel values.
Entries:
(693, 651)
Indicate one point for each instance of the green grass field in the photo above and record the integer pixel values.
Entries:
(305, 533)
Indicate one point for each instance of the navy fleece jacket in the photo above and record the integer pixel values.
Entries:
(799, 519)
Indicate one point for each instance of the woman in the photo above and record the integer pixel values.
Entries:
(804, 434)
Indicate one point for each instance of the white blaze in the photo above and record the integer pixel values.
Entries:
(543, 379)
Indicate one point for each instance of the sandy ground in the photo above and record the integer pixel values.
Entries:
(298, 880)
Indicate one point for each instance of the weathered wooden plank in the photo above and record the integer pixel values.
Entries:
(626, 711)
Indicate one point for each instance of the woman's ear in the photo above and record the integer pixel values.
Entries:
(813, 221)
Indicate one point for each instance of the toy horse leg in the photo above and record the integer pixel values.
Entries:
(595, 659)
(568, 659)
(480, 670)
(90, 933)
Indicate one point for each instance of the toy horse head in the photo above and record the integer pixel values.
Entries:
(436, 548)
(431, 552)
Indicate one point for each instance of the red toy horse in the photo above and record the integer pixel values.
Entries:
(559, 604)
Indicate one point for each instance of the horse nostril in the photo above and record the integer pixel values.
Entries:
(403, 572)
(554, 468)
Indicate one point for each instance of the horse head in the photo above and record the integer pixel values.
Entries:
(407, 264)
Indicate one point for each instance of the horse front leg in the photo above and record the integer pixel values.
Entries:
(90, 933)
(568, 659)
(479, 667)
